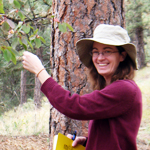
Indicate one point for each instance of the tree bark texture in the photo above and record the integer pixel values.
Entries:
(67, 70)
(140, 47)
(23, 97)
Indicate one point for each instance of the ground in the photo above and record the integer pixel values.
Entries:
(142, 145)
(35, 142)
(40, 142)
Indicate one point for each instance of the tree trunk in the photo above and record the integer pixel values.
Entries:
(37, 91)
(67, 70)
(140, 47)
(23, 97)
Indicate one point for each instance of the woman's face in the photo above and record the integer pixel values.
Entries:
(106, 63)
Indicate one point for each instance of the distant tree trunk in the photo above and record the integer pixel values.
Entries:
(140, 47)
(67, 70)
(23, 97)
(37, 91)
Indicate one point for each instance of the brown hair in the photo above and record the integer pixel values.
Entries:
(125, 70)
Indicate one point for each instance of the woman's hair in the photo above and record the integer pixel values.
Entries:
(125, 70)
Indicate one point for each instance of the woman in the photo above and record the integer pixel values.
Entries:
(114, 108)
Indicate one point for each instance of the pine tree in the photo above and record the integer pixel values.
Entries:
(67, 70)
(136, 25)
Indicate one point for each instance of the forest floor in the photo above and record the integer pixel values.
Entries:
(41, 142)
(34, 142)
(142, 145)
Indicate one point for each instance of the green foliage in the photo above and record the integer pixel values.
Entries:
(9, 89)
(24, 25)
(1, 7)
(15, 38)
(26, 28)
(17, 4)
(137, 15)
(134, 12)
(9, 53)
(63, 27)
(17, 29)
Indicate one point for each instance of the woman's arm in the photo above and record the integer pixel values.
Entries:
(112, 101)
(33, 64)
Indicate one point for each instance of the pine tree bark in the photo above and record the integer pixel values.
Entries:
(67, 70)
(23, 94)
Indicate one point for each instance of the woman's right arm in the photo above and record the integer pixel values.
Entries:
(33, 64)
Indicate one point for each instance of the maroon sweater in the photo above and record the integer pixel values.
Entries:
(114, 112)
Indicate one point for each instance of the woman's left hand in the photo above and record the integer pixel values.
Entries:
(31, 62)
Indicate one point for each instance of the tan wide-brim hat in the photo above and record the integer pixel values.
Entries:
(109, 35)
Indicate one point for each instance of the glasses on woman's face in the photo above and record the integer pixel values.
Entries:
(105, 53)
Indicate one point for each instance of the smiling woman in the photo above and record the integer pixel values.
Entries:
(124, 66)
(107, 63)
(114, 108)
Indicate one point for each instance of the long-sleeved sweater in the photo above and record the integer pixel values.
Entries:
(114, 112)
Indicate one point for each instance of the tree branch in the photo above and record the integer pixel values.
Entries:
(28, 20)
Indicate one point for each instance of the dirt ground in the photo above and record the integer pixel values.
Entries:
(40, 142)
(141, 144)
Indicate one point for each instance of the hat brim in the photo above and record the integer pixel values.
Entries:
(84, 46)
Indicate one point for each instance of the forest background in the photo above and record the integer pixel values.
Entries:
(26, 25)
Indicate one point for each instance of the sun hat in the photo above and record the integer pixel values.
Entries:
(109, 35)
